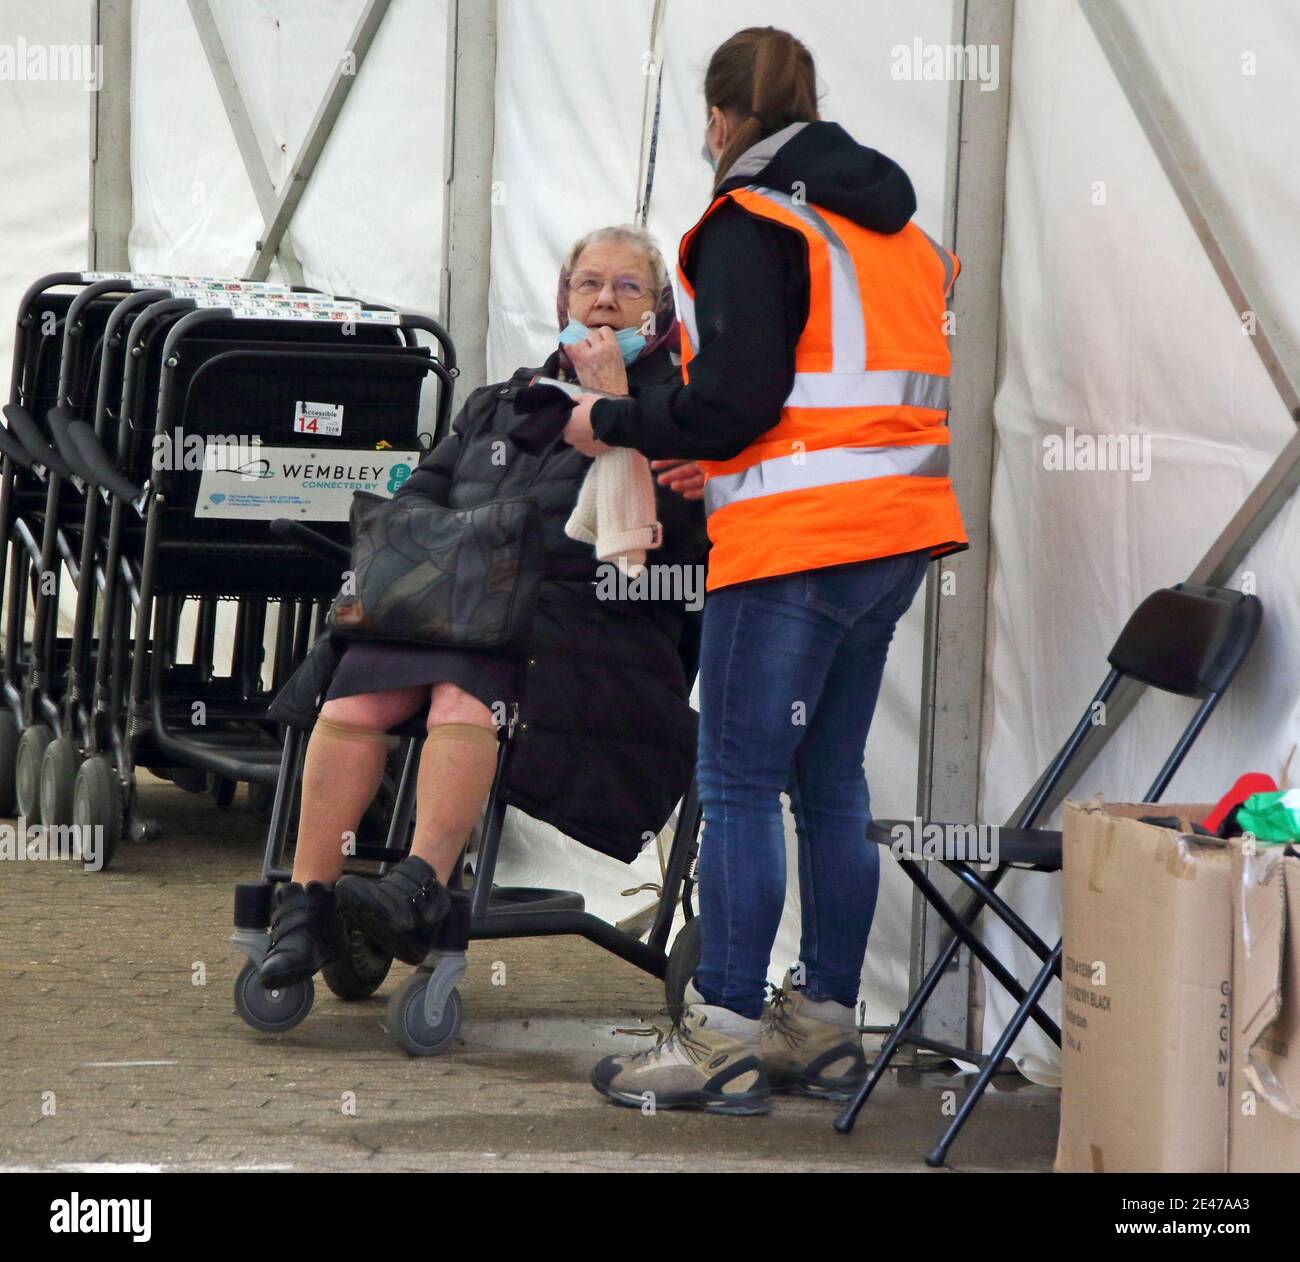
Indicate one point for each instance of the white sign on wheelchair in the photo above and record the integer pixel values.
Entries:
(260, 483)
(318, 418)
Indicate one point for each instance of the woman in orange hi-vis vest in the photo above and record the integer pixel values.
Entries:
(812, 420)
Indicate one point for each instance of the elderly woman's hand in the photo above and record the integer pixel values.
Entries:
(578, 433)
(598, 361)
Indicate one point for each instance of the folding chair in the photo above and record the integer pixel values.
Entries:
(1188, 640)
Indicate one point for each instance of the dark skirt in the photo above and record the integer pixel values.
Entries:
(364, 667)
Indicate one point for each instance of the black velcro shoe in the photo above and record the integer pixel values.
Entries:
(400, 912)
(305, 934)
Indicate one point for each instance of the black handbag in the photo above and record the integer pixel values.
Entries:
(422, 573)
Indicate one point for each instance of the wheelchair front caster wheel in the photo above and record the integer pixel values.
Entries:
(221, 790)
(359, 970)
(408, 1024)
(27, 769)
(271, 1011)
(260, 797)
(58, 778)
(97, 803)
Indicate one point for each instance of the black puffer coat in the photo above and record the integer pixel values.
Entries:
(606, 741)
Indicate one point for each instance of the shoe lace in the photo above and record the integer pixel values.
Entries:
(779, 1019)
(679, 1034)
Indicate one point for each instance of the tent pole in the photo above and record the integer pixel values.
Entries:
(110, 140)
(956, 593)
(318, 134)
(467, 205)
(243, 127)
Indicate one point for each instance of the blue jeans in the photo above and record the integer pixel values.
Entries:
(790, 671)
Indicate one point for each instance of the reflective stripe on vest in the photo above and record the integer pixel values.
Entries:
(824, 468)
(869, 390)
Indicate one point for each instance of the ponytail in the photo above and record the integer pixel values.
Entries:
(765, 76)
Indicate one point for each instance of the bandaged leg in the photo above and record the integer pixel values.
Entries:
(340, 777)
(456, 769)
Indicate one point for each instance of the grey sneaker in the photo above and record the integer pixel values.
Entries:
(708, 1061)
(811, 1047)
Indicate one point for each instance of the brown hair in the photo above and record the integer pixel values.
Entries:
(767, 77)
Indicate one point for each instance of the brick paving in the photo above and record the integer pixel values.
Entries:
(121, 1046)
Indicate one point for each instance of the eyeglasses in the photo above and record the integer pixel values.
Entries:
(624, 286)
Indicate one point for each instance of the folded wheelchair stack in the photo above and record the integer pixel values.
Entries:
(155, 427)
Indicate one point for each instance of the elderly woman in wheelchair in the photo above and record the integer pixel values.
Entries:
(606, 738)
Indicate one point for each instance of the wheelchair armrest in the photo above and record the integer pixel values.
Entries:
(60, 418)
(9, 444)
(98, 468)
(310, 540)
(29, 434)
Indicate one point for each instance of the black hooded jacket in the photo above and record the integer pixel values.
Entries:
(751, 283)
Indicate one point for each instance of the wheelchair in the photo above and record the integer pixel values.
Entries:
(102, 376)
(424, 1013)
(67, 366)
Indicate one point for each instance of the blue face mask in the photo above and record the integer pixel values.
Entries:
(631, 342)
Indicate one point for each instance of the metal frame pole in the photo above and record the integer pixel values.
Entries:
(110, 140)
(467, 208)
(952, 686)
(318, 134)
(243, 127)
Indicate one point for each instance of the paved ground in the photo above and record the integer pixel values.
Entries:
(113, 1053)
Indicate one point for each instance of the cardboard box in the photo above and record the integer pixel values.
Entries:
(1146, 974)
(1264, 1117)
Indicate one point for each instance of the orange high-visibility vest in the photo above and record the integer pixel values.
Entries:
(857, 466)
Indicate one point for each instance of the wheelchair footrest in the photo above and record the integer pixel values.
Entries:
(507, 900)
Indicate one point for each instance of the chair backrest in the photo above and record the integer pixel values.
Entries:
(1189, 640)
(1186, 639)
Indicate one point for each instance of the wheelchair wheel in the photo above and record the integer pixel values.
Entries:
(27, 769)
(221, 790)
(271, 1011)
(407, 1024)
(683, 960)
(97, 801)
(360, 970)
(58, 777)
(191, 779)
(260, 797)
(8, 757)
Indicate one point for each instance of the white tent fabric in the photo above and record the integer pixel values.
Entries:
(1116, 324)
(1113, 322)
(44, 160)
(370, 222)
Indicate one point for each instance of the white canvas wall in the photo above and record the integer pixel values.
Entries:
(1113, 321)
(1115, 324)
(44, 159)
